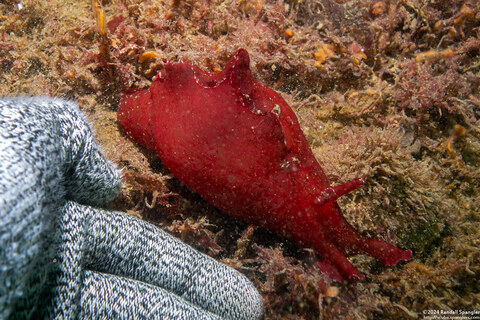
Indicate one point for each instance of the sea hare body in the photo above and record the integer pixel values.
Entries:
(239, 145)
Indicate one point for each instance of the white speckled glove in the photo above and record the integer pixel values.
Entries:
(62, 258)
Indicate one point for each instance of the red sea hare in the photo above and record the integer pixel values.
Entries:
(238, 144)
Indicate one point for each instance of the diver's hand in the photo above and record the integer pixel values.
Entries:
(61, 257)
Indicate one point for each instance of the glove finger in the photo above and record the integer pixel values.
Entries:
(31, 195)
(105, 296)
(123, 245)
(89, 177)
(52, 139)
(47, 154)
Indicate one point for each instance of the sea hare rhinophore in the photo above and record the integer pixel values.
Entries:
(239, 145)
